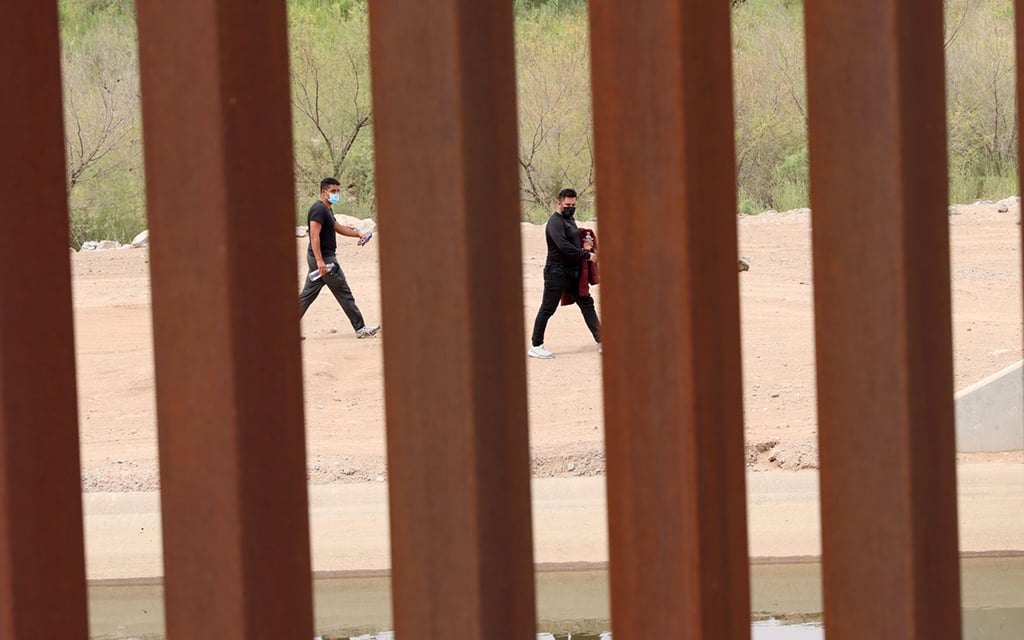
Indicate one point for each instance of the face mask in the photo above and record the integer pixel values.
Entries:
(333, 198)
(568, 212)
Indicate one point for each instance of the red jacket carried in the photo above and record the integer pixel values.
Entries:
(588, 270)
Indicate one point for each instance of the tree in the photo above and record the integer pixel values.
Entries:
(101, 105)
(332, 106)
(770, 105)
(102, 132)
(556, 146)
(981, 92)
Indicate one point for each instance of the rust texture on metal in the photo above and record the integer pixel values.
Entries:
(444, 93)
(882, 319)
(42, 563)
(1018, 15)
(217, 130)
(672, 382)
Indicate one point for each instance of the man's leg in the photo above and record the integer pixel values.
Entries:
(554, 285)
(343, 294)
(311, 289)
(586, 305)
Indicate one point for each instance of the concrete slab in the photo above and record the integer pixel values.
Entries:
(989, 413)
(350, 523)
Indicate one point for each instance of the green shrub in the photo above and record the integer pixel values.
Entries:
(747, 205)
(330, 50)
(966, 188)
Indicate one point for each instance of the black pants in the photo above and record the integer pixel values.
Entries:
(556, 282)
(338, 286)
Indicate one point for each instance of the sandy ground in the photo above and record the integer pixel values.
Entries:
(343, 376)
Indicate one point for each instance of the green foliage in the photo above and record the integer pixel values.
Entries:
(79, 17)
(791, 187)
(790, 194)
(794, 167)
(109, 215)
(965, 188)
(331, 102)
(555, 123)
(102, 121)
(747, 206)
(981, 114)
(770, 100)
(326, 13)
(550, 7)
(333, 125)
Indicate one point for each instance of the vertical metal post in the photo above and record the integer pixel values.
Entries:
(663, 122)
(882, 318)
(217, 127)
(454, 372)
(42, 564)
(1018, 15)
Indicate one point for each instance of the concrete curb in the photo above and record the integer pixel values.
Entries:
(350, 523)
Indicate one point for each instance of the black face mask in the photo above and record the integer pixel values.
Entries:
(567, 212)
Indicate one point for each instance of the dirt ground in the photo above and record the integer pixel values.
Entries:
(343, 376)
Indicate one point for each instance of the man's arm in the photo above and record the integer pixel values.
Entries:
(556, 231)
(314, 243)
(346, 230)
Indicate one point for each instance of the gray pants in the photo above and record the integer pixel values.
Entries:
(338, 286)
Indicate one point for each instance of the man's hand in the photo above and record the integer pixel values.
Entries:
(321, 267)
(593, 257)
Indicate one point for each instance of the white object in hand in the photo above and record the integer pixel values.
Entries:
(332, 269)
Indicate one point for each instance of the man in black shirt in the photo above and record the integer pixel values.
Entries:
(566, 254)
(323, 245)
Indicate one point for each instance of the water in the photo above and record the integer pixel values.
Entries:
(760, 631)
(785, 599)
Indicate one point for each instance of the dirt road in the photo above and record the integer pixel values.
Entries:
(344, 397)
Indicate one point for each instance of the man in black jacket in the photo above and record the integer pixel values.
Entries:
(566, 253)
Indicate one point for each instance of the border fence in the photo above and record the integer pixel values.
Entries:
(215, 92)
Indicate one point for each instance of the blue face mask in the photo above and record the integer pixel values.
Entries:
(333, 198)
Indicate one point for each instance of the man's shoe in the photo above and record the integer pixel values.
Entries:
(540, 352)
(367, 331)
(599, 349)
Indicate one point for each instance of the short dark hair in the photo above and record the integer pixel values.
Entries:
(566, 193)
(328, 182)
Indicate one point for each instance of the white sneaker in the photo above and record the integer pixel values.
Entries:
(368, 331)
(540, 352)
(599, 349)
